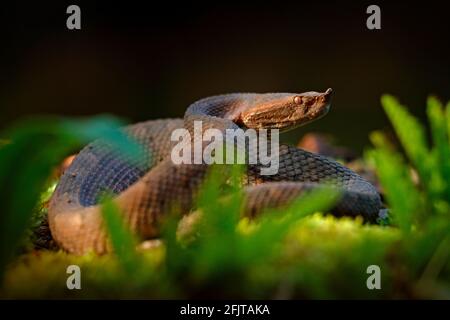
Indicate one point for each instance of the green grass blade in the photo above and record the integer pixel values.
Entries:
(410, 133)
(440, 178)
(122, 239)
(447, 117)
(400, 192)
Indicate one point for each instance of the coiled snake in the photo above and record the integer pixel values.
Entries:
(146, 189)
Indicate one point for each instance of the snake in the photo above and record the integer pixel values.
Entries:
(146, 189)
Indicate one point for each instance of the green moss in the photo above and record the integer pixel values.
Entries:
(320, 257)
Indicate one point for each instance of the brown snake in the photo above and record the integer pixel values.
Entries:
(147, 189)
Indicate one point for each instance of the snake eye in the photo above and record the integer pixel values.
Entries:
(297, 100)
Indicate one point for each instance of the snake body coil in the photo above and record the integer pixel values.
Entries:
(146, 189)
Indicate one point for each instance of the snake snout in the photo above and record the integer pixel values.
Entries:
(325, 101)
(327, 95)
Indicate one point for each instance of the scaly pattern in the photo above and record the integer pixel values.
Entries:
(148, 188)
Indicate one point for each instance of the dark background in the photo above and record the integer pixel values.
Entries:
(143, 61)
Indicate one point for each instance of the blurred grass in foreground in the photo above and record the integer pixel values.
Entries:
(33, 148)
(293, 252)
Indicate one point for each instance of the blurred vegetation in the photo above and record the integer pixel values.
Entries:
(294, 252)
(33, 148)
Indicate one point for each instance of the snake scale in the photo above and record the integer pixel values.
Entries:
(146, 189)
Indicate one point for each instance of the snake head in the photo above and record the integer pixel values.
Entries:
(285, 111)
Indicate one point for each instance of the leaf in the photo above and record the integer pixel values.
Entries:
(106, 129)
(411, 134)
(447, 116)
(441, 150)
(122, 239)
(400, 192)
